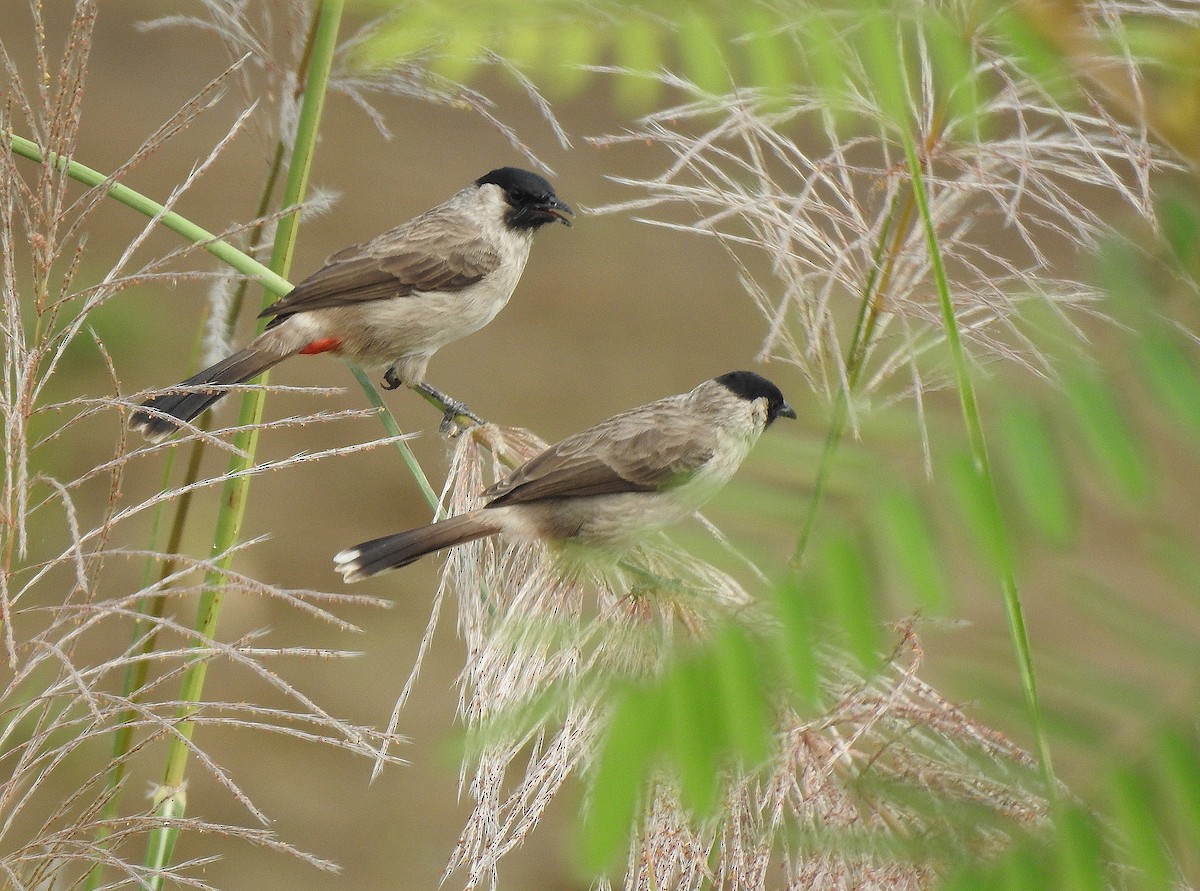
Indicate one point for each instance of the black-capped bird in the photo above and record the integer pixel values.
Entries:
(394, 300)
(610, 485)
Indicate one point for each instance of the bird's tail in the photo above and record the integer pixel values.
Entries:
(159, 417)
(394, 551)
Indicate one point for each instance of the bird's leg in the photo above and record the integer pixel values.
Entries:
(453, 409)
(390, 380)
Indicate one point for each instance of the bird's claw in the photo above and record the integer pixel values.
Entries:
(390, 380)
(455, 410)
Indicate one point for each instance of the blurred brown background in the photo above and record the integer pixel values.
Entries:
(609, 314)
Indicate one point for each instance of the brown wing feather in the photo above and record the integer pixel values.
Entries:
(645, 449)
(437, 251)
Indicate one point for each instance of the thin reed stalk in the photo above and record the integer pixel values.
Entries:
(150, 608)
(983, 471)
(859, 341)
(170, 797)
(218, 247)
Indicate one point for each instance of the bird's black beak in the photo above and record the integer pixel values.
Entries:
(786, 411)
(557, 210)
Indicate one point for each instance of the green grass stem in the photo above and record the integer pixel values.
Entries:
(151, 607)
(856, 356)
(219, 248)
(235, 493)
(389, 423)
(983, 470)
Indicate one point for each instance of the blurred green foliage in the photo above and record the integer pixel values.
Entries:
(715, 46)
(1052, 445)
(1050, 449)
(896, 531)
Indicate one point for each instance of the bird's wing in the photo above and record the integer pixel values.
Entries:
(646, 449)
(431, 253)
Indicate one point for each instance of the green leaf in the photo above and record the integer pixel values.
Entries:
(848, 587)
(954, 69)
(739, 673)
(1175, 551)
(627, 752)
(969, 877)
(824, 54)
(575, 46)
(1179, 216)
(1035, 468)
(1179, 769)
(403, 38)
(768, 53)
(1134, 812)
(973, 500)
(1107, 433)
(881, 40)
(524, 47)
(459, 55)
(1171, 376)
(700, 52)
(1122, 271)
(637, 48)
(758, 503)
(909, 545)
(1026, 869)
(1160, 42)
(1080, 852)
(1024, 43)
(697, 736)
(798, 611)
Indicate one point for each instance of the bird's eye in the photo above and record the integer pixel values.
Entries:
(514, 196)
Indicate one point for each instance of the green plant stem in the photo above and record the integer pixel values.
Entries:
(833, 438)
(235, 493)
(150, 608)
(870, 306)
(868, 310)
(220, 249)
(273, 282)
(983, 470)
(393, 428)
(238, 260)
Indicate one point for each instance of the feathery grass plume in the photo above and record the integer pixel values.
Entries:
(533, 627)
(844, 793)
(71, 539)
(886, 787)
(815, 184)
(271, 37)
(67, 597)
(906, 203)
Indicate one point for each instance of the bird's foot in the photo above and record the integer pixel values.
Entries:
(390, 380)
(454, 411)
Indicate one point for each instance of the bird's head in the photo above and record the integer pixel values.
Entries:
(530, 199)
(751, 386)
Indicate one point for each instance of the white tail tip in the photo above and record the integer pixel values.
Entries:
(347, 564)
(347, 556)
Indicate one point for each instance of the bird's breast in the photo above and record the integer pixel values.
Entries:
(390, 329)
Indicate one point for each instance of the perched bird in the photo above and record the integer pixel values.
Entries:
(612, 484)
(394, 300)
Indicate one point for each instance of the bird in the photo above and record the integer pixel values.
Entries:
(609, 486)
(393, 301)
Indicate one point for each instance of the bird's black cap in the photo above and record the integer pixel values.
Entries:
(517, 179)
(531, 197)
(751, 386)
